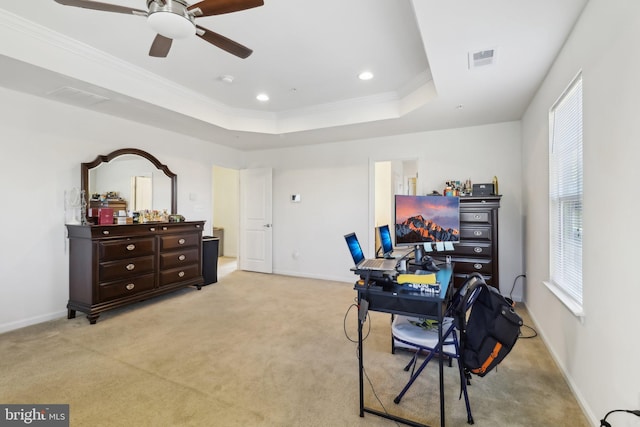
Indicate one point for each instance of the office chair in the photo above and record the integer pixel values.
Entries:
(421, 336)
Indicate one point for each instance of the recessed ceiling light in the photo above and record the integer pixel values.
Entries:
(365, 75)
(262, 97)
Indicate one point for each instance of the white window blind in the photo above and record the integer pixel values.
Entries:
(565, 192)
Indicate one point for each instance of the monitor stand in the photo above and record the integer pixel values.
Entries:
(423, 261)
(418, 253)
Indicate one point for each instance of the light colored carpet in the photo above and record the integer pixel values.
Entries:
(258, 350)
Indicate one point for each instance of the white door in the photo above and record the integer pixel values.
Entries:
(256, 232)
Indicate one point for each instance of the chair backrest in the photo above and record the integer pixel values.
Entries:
(453, 307)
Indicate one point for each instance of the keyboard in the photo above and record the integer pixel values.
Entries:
(372, 263)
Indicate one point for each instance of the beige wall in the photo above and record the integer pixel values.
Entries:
(43, 144)
(336, 182)
(595, 352)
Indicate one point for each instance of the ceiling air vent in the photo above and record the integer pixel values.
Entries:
(482, 58)
(78, 97)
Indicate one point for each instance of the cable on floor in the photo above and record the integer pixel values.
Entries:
(534, 333)
(605, 423)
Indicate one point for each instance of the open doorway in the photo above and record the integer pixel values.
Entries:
(391, 177)
(226, 216)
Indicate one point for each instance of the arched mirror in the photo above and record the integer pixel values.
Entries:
(130, 179)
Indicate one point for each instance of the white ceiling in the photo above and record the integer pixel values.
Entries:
(307, 56)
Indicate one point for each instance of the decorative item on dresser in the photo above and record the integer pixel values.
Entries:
(114, 265)
(477, 250)
(111, 265)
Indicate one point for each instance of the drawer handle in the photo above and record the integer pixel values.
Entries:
(152, 229)
(476, 216)
(197, 225)
(182, 257)
(477, 233)
(181, 241)
(164, 228)
(181, 274)
(477, 250)
(477, 266)
(131, 247)
(130, 286)
(105, 232)
(130, 266)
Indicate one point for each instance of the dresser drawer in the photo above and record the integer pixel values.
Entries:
(179, 227)
(475, 233)
(474, 249)
(460, 278)
(175, 241)
(176, 275)
(476, 217)
(122, 269)
(109, 231)
(123, 288)
(127, 248)
(178, 258)
(473, 265)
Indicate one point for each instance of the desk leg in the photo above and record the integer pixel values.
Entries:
(441, 364)
(360, 364)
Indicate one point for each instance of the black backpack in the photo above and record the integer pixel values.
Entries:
(488, 329)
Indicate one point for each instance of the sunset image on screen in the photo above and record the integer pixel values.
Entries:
(427, 219)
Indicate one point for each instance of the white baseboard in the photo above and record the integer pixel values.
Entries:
(22, 323)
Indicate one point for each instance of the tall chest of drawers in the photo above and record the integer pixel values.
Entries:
(111, 266)
(477, 250)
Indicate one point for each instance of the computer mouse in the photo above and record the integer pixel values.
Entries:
(431, 265)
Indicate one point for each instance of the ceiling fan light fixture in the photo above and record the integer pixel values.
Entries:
(171, 25)
(171, 19)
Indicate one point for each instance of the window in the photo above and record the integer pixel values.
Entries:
(565, 196)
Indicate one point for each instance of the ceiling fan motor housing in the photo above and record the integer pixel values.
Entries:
(170, 18)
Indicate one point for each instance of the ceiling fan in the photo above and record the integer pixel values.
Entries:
(173, 19)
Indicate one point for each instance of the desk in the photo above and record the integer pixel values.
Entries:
(406, 302)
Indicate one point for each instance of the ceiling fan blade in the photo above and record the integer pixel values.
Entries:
(160, 46)
(218, 7)
(223, 43)
(87, 4)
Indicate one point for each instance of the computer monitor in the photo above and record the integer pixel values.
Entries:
(385, 240)
(426, 219)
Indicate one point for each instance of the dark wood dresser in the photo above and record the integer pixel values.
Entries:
(111, 266)
(477, 250)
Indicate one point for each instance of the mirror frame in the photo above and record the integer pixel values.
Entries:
(86, 167)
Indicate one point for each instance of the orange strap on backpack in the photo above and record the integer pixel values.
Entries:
(481, 370)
